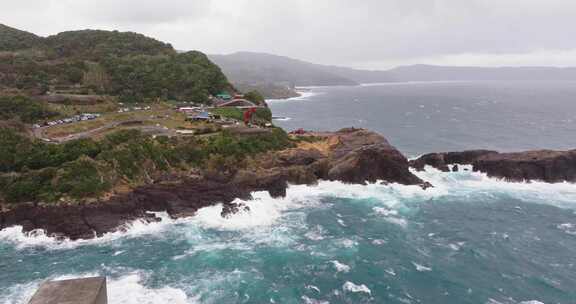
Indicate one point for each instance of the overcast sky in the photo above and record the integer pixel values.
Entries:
(359, 33)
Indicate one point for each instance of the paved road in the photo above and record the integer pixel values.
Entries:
(156, 130)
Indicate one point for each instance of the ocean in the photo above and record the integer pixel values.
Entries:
(470, 239)
(423, 117)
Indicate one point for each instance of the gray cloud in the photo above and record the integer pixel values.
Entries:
(363, 33)
(139, 11)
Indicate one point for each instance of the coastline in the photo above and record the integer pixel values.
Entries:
(349, 156)
(303, 95)
(354, 156)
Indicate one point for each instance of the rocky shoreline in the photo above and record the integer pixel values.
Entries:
(355, 156)
(541, 165)
(349, 155)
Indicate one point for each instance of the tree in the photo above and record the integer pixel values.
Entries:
(255, 97)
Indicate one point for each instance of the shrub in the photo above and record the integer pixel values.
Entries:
(24, 108)
(31, 187)
(81, 178)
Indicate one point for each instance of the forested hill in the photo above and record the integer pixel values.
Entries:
(12, 39)
(128, 65)
(97, 44)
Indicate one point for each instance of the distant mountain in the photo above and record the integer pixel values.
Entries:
(446, 73)
(259, 68)
(253, 68)
(359, 76)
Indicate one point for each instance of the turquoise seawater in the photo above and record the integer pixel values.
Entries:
(469, 240)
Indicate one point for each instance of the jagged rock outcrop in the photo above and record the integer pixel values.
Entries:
(441, 161)
(542, 165)
(349, 155)
(86, 220)
(361, 156)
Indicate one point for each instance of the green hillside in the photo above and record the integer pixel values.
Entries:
(127, 65)
(12, 39)
(96, 44)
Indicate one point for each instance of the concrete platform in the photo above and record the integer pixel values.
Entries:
(77, 291)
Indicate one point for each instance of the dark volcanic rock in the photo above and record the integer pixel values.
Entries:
(299, 157)
(441, 161)
(362, 156)
(544, 165)
(233, 208)
(82, 221)
(273, 181)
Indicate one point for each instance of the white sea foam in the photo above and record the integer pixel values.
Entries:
(347, 243)
(379, 242)
(351, 287)
(568, 228)
(316, 233)
(130, 290)
(391, 216)
(475, 185)
(39, 238)
(340, 267)
(456, 246)
(282, 118)
(263, 211)
(312, 287)
(308, 300)
(390, 271)
(21, 293)
(421, 268)
(385, 211)
(397, 221)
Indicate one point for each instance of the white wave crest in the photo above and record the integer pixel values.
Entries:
(351, 287)
(263, 210)
(282, 118)
(130, 290)
(340, 267)
(568, 228)
(469, 185)
(421, 268)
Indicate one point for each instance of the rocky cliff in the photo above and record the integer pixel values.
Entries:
(349, 155)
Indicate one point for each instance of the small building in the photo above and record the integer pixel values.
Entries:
(224, 96)
(202, 116)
